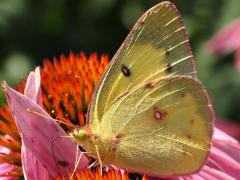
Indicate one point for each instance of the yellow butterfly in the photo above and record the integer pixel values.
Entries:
(149, 113)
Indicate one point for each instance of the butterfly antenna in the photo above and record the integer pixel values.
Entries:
(77, 161)
(60, 121)
(99, 159)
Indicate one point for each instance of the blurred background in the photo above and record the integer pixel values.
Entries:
(33, 30)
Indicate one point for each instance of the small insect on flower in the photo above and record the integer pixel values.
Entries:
(153, 68)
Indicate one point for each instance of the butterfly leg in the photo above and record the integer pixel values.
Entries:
(78, 158)
(99, 158)
(95, 163)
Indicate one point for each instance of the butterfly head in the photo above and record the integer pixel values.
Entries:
(85, 138)
(80, 135)
(89, 140)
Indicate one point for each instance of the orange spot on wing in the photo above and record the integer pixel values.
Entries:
(149, 85)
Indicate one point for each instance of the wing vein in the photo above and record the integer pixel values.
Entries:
(135, 114)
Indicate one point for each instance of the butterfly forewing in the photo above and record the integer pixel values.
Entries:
(156, 47)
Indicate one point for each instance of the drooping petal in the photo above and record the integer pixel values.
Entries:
(227, 39)
(42, 135)
(226, 154)
(211, 174)
(33, 86)
(32, 168)
(4, 169)
(219, 135)
(231, 128)
(224, 162)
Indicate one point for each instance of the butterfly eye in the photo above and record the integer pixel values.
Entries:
(126, 70)
(82, 134)
(78, 134)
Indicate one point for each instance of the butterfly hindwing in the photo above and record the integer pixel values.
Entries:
(164, 127)
(157, 46)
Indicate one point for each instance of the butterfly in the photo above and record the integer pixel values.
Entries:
(149, 113)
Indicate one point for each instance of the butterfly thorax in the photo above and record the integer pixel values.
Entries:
(92, 142)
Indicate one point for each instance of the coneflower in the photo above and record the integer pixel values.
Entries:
(60, 93)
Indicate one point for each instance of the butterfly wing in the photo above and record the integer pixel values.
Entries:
(162, 128)
(157, 46)
(148, 105)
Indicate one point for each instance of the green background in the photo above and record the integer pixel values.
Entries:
(33, 30)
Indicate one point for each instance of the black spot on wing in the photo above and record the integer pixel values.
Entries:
(167, 53)
(183, 94)
(125, 70)
(169, 68)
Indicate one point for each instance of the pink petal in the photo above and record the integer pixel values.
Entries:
(208, 173)
(33, 86)
(232, 149)
(231, 128)
(32, 168)
(225, 154)
(213, 174)
(227, 39)
(220, 135)
(4, 169)
(42, 135)
(224, 162)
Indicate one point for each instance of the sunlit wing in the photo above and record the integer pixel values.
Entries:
(164, 127)
(157, 46)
